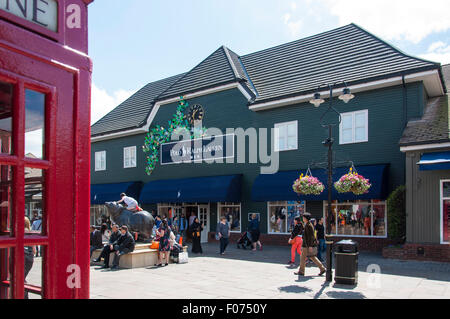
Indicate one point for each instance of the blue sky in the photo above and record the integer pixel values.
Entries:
(135, 42)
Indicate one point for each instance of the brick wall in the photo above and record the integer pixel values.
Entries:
(421, 252)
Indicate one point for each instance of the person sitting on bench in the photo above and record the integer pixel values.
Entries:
(107, 248)
(132, 204)
(124, 245)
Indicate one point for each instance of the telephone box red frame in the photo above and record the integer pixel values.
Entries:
(56, 64)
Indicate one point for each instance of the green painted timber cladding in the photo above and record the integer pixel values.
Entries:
(423, 202)
(228, 109)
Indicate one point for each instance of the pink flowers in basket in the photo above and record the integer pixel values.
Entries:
(353, 182)
(308, 185)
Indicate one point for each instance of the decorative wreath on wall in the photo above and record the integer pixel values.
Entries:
(158, 135)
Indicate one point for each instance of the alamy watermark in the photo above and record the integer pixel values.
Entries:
(253, 146)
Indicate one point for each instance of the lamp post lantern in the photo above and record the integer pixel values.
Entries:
(346, 96)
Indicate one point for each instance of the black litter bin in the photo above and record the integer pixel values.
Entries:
(346, 260)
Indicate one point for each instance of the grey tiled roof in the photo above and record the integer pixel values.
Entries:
(217, 69)
(433, 127)
(348, 53)
(133, 112)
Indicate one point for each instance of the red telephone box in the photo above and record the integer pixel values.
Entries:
(45, 81)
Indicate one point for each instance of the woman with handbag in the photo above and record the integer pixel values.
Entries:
(309, 247)
(196, 231)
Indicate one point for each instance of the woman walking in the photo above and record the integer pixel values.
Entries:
(253, 228)
(164, 243)
(196, 231)
(223, 233)
(296, 240)
(309, 247)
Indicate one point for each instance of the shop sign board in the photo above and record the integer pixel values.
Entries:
(206, 149)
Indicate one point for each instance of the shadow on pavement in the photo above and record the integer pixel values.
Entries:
(295, 289)
(281, 255)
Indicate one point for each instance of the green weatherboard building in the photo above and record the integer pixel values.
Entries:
(248, 97)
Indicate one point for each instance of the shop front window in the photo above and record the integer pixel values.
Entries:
(232, 212)
(282, 215)
(445, 204)
(99, 215)
(358, 218)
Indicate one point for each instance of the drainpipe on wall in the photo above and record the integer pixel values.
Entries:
(405, 102)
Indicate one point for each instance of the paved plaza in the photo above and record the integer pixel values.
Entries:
(265, 275)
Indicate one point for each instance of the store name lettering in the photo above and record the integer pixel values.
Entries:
(196, 153)
(41, 12)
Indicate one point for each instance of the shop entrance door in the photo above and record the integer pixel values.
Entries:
(203, 216)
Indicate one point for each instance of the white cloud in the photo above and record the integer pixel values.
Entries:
(438, 52)
(102, 102)
(411, 20)
(293, 26)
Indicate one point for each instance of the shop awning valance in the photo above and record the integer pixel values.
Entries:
(434, 161)
(278, 187)
(210, 189)
(101, 193)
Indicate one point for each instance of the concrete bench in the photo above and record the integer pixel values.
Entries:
(142, 256)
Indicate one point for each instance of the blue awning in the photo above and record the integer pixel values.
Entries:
(193, 190)
(278, 187)
(434, 161)
(101, 193)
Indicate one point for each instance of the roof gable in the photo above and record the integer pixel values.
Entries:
(217, 69)
(133, 112)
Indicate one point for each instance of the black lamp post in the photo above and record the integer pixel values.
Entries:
(346, 96)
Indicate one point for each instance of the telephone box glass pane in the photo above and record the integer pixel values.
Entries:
(5, 272)
(34, 202)
(33, 271)
(6, 100)
(34, 124)
(5, 200)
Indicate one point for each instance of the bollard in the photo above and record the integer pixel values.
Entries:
(329, 243)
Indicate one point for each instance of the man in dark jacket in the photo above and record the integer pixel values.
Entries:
(309, 247)
(96, 239)
(124, 245)
(107, 248)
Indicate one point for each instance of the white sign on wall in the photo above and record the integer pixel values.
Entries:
(41, 12)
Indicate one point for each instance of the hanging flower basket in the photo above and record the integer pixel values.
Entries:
(353, 183)
(308, 185)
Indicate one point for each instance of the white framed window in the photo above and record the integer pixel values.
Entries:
(358, 218)
(232, 212)
(286, 136)
(354, 127)
(281, 215)
(100, 161)
(129, 157)
(445, 211)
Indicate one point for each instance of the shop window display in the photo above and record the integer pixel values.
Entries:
(282, 215)
(365, 219)
(232, 212)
